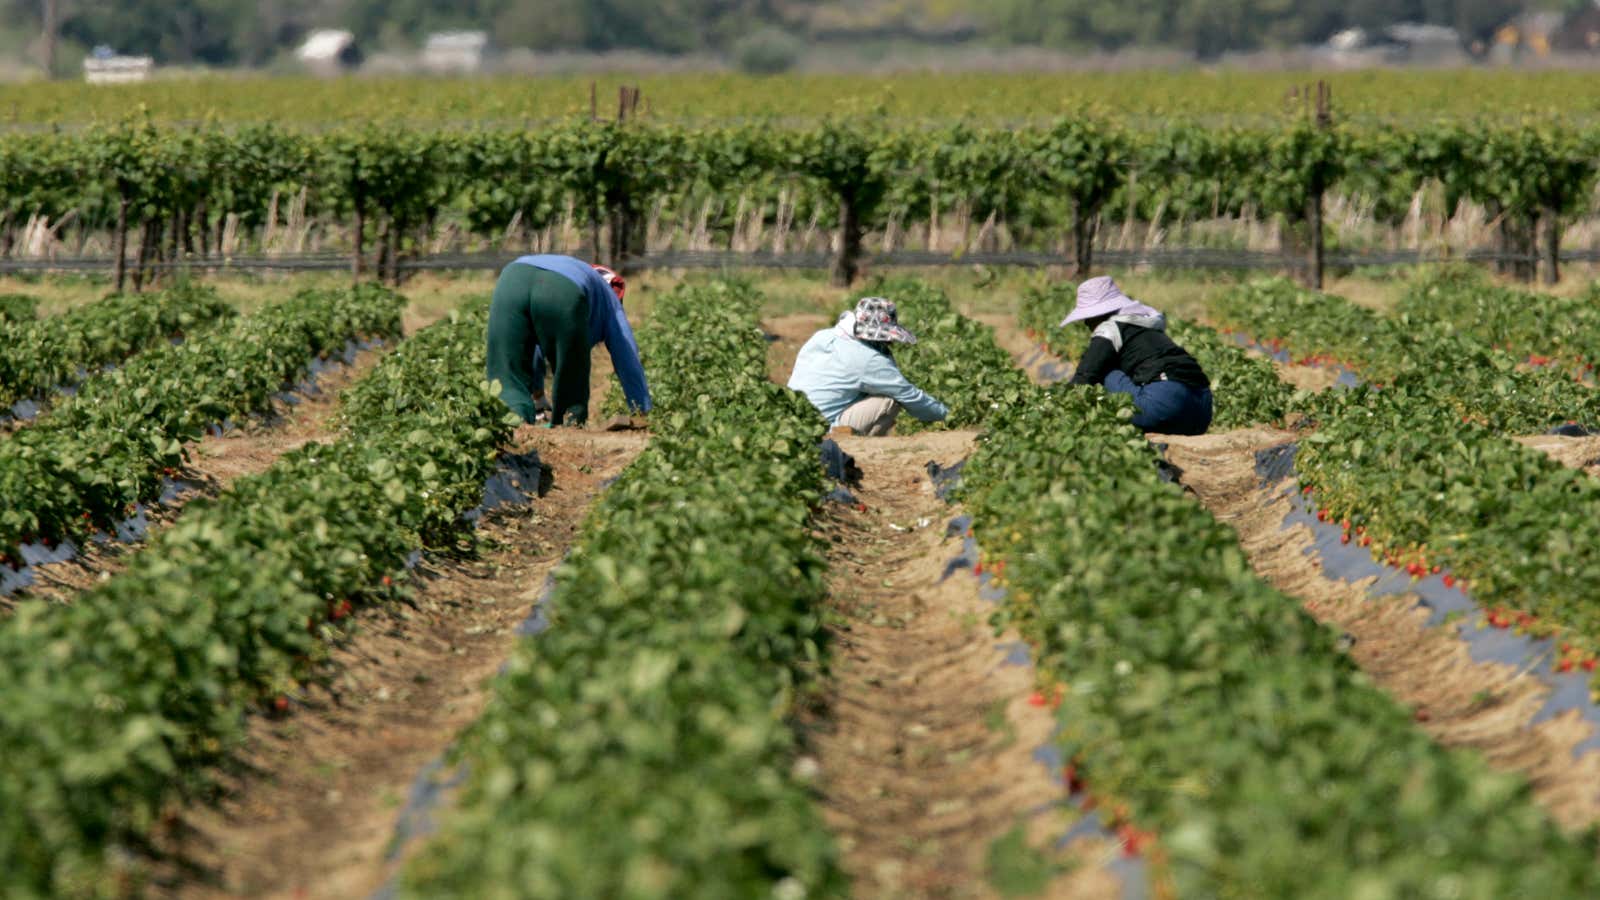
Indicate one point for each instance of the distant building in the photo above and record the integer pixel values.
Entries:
(455, 52)
(1406, 43)
(329, 52)
(105, 66)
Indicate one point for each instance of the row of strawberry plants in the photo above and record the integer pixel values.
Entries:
(955, 358)
(120, 702)
(17, 308)
(1418, 362)
(1542, 328)
(641, 747)
(1246, 388)
(1420, 472)
(38, 355)
(1216, 724)
(109, 446)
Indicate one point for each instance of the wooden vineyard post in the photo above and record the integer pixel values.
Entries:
(1324, 120)
(624, 225)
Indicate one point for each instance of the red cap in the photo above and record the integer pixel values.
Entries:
(619, 286)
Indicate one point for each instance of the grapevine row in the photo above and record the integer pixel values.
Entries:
(177, 187)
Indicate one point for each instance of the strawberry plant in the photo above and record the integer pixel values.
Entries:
(641, 746)
(39, 355)
(1425, 364)
(955, 359)
(1540, 327)
(17, 308)
(227, 608)
(1207, 711)
(111, 444)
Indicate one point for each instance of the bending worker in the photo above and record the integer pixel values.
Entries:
(849, 374)
(1130, 353)
(550, 309)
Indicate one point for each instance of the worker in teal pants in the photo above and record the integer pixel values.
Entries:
(551, 310)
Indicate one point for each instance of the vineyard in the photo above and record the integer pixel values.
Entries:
(1303, 190)
(292, 606)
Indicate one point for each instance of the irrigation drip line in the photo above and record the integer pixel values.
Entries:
(1169, 258)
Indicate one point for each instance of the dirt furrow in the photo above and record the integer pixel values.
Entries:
(215, 461)
(927, 746)
(926, 740)
(1487, 707)
(1572, 452)
(312, 806)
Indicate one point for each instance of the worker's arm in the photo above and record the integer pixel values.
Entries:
(883, 378)
(1102, 357)
(624, 352)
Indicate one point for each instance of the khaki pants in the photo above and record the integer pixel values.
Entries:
(873, 416)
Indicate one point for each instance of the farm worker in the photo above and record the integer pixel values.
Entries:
(849, 374)
(1130, 353)
(554, 309)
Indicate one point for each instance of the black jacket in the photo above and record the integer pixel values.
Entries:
(1139, 346)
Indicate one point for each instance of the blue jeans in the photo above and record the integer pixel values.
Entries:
(1166, 407)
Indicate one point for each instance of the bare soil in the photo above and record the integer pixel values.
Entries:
(1573, 452)
(313, 805)
(1306, 378)
(215, 461)
(1482, 706)
(925, 743)
(926, 747)
(785, 335)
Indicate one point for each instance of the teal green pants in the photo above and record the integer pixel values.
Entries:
(534, 309)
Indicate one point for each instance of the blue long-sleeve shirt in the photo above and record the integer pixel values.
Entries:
(607, 322)
(835, 370)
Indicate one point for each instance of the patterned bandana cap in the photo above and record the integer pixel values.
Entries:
(1101, 296)
(876, 321)
(618, 286)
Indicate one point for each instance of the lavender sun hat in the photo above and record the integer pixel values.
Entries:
(876, 320)
(1100, 296)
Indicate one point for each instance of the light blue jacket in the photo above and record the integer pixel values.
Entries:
(834, 370)
(607, 322)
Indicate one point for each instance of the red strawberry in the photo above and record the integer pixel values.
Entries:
(281, 704)
(1449, 581)
(1345, 524)
(1436, 569)
(978, 569)
(1344, 538)
(1421, 715)
(387, 581)
(1564, 666)
(1306, 489)
(1322, 515)
(1074, 782)
(1588, 664)
(1366, 540)
(1036, 699)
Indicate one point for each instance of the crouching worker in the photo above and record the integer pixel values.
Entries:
(849, 374)
(552, 310)
(1130, 353)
